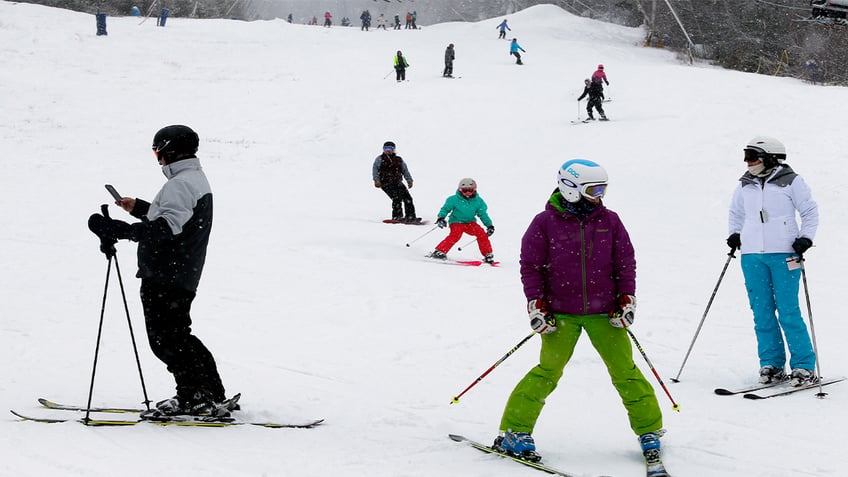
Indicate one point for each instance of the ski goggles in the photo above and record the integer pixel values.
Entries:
(466, 190)
(753, 154)
(594, 190)
(388, 148)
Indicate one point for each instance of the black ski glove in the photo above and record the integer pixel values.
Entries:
(490, 230)
(801, 244)
(441, 222)
(734, 241)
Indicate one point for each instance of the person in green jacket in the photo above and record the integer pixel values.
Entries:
(400, 66)
(463, 208)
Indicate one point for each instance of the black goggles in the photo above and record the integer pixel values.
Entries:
(754, 154)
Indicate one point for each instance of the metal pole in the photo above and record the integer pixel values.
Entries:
(455, 399)
(674, 405)
(730, 256)
(820, 394)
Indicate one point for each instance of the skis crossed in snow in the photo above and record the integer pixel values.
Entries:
(781, 388)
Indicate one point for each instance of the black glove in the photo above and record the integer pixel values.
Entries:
(734, 241)
(490, 230)
(441, 222)
(109, 229)
(801, 244)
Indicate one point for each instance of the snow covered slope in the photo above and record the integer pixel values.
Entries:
(314, 308)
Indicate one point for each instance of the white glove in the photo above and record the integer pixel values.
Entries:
(541, 320)
(624, 312)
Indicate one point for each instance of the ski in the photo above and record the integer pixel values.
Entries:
(746, 389)
(784, 391)
(66, 407)
(488, 449)
(185, 421)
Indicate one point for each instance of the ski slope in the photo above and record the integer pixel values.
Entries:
(314, 308)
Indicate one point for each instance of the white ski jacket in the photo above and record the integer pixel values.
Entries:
(763, 211)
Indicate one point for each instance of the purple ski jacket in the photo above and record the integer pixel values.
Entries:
(578, 266)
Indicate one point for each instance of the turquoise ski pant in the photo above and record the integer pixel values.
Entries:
(613, 345)
(773, 287)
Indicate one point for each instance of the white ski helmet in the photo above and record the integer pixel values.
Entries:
(771, 151)
(582, 177)
(467, 183)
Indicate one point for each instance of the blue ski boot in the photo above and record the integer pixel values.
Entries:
(651, 450)
(518, 444)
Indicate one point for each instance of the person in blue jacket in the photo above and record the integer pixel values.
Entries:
(513, 50)
(503, 27)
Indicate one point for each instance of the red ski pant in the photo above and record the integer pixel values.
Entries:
(470, 228)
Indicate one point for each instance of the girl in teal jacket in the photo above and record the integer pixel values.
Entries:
(463, 208)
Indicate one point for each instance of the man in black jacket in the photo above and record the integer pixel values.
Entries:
(389, 171)
(595, 91)
(172, 237)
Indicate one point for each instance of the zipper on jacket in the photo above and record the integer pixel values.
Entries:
(583, 267)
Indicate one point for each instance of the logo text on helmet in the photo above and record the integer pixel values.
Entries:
(573, 173)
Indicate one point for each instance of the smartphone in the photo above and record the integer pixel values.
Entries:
(114, 193)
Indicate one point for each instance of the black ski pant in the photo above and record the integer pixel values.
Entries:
(597, 103)
(401, 200)
(448, 68)
(168, 321)
(401, 73)
(517, 56)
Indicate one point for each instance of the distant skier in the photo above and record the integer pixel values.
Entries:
(397, 22)
(366, 20)
(381, 22)
(463, 208)
(408, 21)
(289, 18)
(450, 54)
(389, 171)
(595, 91)
(599, 75)
(513, 50)
(400, 66)
(328, 19)
(503, 27)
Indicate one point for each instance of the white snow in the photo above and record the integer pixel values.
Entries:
(314, 308)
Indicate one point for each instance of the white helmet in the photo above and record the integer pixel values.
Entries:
(772, 151)
(467, 183)
(582, 177)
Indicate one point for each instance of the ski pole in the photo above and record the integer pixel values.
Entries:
(800, 259)
(730, 256)
(387, 74)
(674, 405)
(578, 110)
(455, 399)
(109, 250)
(469, 243)
(423, 235)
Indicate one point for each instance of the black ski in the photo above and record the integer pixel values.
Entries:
(746, 389)
(187, 421)
(488, 449)
(66, 407)
(784, 390)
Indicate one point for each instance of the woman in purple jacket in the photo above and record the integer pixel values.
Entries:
(579, 273)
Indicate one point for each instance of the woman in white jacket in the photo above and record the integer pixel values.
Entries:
(763, 225)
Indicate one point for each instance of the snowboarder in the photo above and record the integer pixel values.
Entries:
(389, 171)
(503, 27)
(400, 65)
(578, 269)
(172, 237)
(463, 208)
(513, 50)
(762, 224)
(450, 54)
(595, 91)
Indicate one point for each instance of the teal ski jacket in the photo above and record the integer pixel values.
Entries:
(464, 210)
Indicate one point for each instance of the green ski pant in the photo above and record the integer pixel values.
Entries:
(613, 345)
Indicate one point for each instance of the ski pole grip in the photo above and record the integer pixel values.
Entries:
(104, 209)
